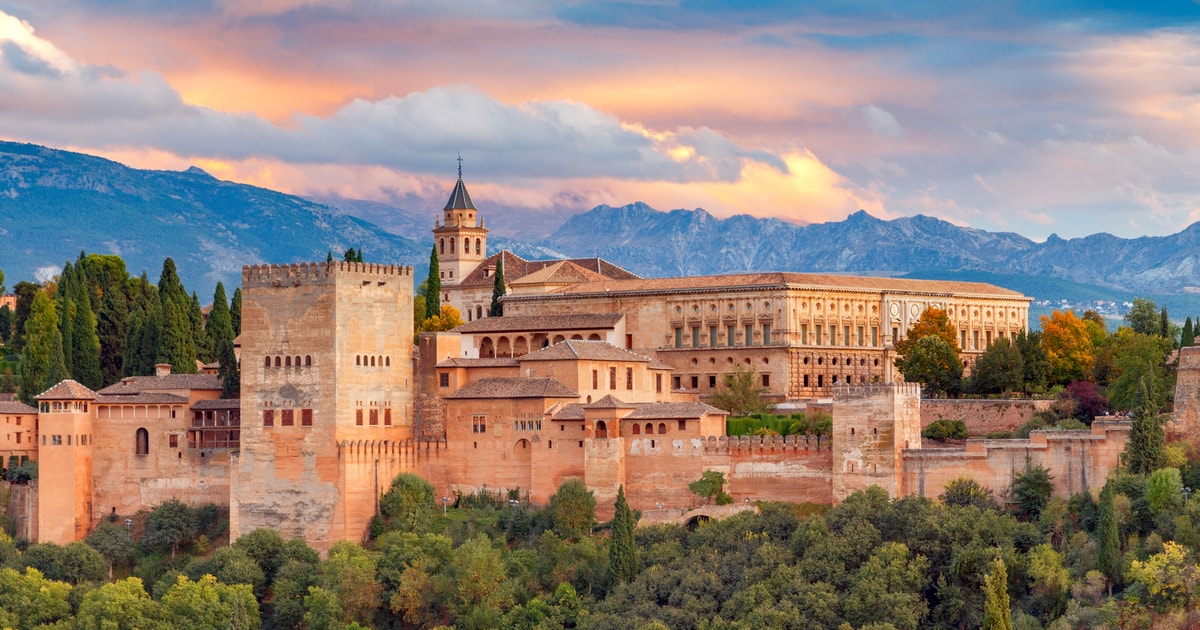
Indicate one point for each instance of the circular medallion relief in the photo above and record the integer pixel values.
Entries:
(914, 309)
(895, 310)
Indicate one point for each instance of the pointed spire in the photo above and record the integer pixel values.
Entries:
(459, 199)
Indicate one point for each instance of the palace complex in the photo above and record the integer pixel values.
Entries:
(592, 373)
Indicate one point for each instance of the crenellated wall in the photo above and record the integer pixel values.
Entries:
(983, 416)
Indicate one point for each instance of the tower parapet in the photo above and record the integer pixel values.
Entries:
(872, 424)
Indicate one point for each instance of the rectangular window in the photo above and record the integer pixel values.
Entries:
(845, 335)
(675, 380)
(730, 336)
(478, 424)
(683, 425)
(806, 380)
(612, 378)
(988, 334)
(387, 417)
(974, 339)
(695, 336)
(749, 334)
(658, 383)
(306, 417)
(444, 379)
(820, 380)
(358, 417)
(374, 417)
(766, 380)
(695, 382)
(595, 379)
(712, 382)
(678, 337)
(174, 441)
(832, 335)
(962, 344)
(817, 334)
(874, 336)
(804, 334)
(766, 334)
(629, 341)
(68, 440)
(18, 438)
(629, 378)
(712, 336)
(56, 440)
(860, 336)
(268, 417)
(286, 418)
(896, 334)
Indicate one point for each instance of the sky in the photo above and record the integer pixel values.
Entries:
(1058, 117)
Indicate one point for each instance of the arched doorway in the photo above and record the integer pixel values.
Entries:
(594, 337)
(601, 429)
(522, 456)
(520, 347)
(486, 349)
(503, 349)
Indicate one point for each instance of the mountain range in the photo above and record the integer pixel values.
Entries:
(54, 203)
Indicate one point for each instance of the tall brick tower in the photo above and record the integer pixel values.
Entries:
(460, 237)
(326, 397)
(1187, 394)
(65, 462)
(872, 424)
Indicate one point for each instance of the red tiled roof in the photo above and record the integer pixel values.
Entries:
(137, 384)
(14, 407)
(513, 387)
(67, 390)
(218, 403)
(148, 398)
(484, 362)
(781, 280)
(535, 323)
(575, 349)
(609, 402)
(516, 268)
(660, 410)
(573, 411)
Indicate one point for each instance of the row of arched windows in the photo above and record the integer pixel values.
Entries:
(466, 247)
(287, 361)
(662, 428)
(372, 361)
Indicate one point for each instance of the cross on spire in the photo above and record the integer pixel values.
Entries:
(460, 164)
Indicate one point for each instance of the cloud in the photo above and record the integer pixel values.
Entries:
(881, 121)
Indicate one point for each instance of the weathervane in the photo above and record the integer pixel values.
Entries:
(460, 164)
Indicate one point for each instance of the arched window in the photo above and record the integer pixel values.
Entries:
(649, 429)
(278, 362)
(387, 361)
(478, 247)
(452, 241)
(297, 364)
(288, 362)
(478, 312)
(662, 428)
(372, 361)
(267, 362)
(466, 245)
(357, 360)
(308, 360)
(601, 429)
(380, 361)
(142, 442)
(441, 246)
(637, 430)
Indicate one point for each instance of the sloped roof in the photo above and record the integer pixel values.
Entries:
(14, 407)
(138, 384)
(459, 199)
(573, 411)
(786, 280)
(515, 387)
(142, 398)
(609, 402)
(661, 410)
(523, 323)
(484, 362)
(67, 390)
(561, 272)
(575, 349)
(218, 403)
(516, 268)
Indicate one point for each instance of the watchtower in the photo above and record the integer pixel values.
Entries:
(872, 424)
(326, 363)
(64, 462)
(460, 237)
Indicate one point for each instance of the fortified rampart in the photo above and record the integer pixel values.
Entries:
(1187, 395)
(983, 416)
(872, 424)
(1079, 461)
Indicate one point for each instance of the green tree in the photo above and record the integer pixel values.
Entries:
(1136, 356)
(932, 322)
(711, 486)
(113, 543)
(887, 589)
(409, 505)
(1144, 452)
(322, 611)
(3, 289)
(171, 525)
(80, 563)
(235, 311)
(933, 363)
(1031, 489)
(219, 327)
(740, 394)
(1143, 317)
(26, 292)
(177, 344)
(42, 364)
(498, 289)
(1188, 336)
(1109, 542)
(963, 492)
(1164, 325)
(112, 330)
(230, 370)
(64, 305)
(122, 605)
(997, 611)
(6, 324)
(573, 509)
(622, 549)
(482, 590)
(1000, 368)
(1164, 491)
(206, 604)
(433, 286)
(86, 342)
(32, 600)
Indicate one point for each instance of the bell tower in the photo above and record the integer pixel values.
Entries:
(460, 237)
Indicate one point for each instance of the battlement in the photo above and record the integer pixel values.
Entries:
(851, 392)
(1189, 358)
(301, 273)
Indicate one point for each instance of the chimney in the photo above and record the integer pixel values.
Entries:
(162, 369)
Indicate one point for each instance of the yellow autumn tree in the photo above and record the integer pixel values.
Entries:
(449, 318)
(933, 321)
(1070, 345)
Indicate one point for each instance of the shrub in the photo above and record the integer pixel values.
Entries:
(946, 430)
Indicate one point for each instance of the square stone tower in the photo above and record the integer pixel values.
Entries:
(872, 424)
(64, 462)
(327, 379)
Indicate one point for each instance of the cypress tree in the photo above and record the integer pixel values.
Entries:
(6, 319)
(152, 331)
(1144, 452)
(85, 342)
(112, 329)
(65, 306)
(433, 286)
(1164, 324)
(1109, 544)
(199, 339)
(1188, 337)
(42, 363)
(219, 327)
(25, 293)
(622, 550)
(229, 370)
(498, 289)
(176, 345)
(235, 311)
(997, 610)
(131, 362)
